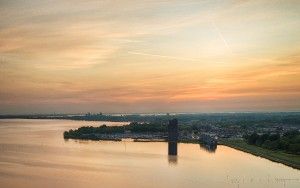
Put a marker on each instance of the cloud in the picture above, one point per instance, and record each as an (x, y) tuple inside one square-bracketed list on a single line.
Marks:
[(156, 54)]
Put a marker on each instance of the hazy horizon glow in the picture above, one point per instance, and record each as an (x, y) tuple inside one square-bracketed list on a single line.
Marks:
[(149, 56)]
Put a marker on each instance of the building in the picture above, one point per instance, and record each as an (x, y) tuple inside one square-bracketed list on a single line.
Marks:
[(172, 137)]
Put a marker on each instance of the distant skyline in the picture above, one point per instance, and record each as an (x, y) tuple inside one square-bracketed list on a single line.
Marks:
[(149, 56)]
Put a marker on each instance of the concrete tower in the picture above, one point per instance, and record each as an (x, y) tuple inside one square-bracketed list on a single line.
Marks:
[(172, 136)]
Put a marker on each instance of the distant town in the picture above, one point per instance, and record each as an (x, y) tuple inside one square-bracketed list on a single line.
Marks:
[(275, 136), (218, 125)]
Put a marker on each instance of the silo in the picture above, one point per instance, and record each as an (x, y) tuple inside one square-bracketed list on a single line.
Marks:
[(172, 136)]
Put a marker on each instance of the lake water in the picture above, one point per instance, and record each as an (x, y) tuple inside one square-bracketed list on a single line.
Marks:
[(33, 153)]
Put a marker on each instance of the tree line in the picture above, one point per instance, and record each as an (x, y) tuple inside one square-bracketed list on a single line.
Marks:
[(288, 142), (133, 127)]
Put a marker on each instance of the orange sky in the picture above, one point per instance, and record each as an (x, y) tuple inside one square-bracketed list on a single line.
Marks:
[(149, 56)]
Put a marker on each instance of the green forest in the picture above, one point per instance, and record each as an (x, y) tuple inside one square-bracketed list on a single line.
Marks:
[(288, 142)]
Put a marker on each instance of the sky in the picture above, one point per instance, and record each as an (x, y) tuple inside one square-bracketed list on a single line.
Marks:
[(147, 56)]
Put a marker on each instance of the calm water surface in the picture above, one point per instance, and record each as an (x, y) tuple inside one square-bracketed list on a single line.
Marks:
[(33, 153)]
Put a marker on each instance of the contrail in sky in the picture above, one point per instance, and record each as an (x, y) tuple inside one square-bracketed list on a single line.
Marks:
[(162, 56), (221, 35), (217, 30)]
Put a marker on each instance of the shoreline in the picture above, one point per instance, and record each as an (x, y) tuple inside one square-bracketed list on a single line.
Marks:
[(290, 160), (138, 140)]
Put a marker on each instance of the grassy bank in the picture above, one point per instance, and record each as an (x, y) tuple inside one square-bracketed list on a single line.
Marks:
[(276, 156)]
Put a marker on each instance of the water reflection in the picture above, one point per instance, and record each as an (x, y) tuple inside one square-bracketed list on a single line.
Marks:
[(33, 154), (210, 148), (172, 160)]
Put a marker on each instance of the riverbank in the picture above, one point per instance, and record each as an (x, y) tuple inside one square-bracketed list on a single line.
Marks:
[(276, 156)]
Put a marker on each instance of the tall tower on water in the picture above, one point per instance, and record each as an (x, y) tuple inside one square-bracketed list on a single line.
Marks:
[(172, 137)]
